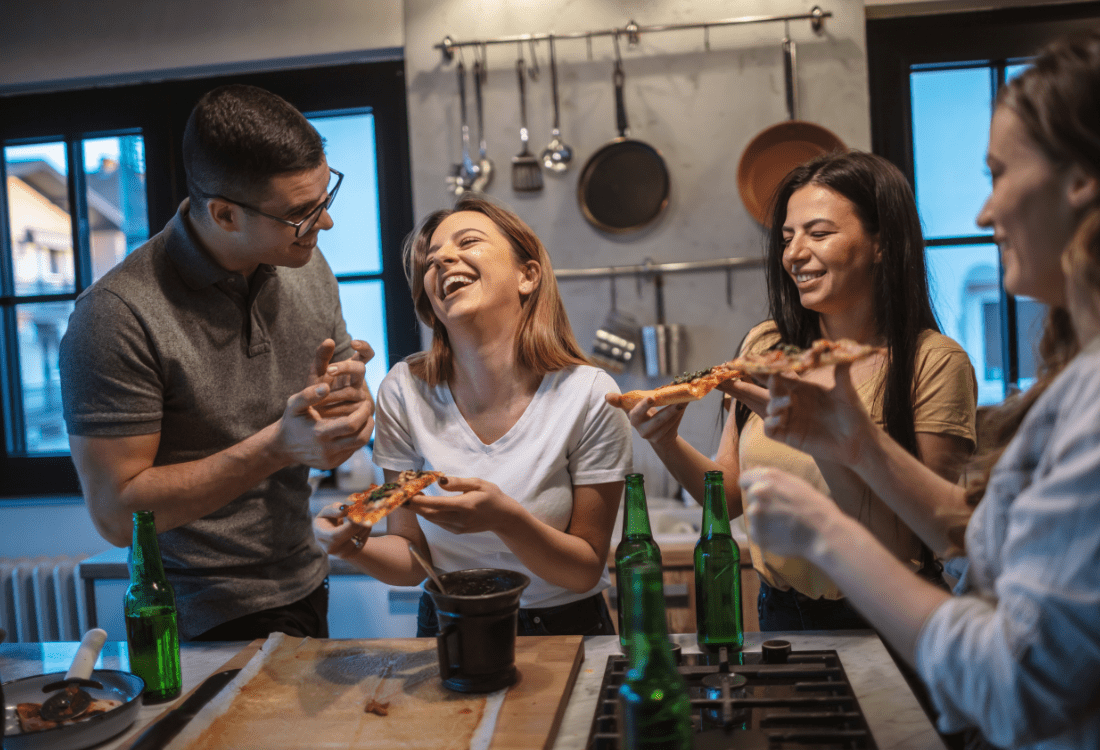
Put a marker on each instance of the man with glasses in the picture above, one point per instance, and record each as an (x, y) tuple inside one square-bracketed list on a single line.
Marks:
[(205, 374)]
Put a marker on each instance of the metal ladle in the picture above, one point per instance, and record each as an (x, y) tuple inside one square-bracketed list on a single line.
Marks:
[(557, 155), (427, 568)]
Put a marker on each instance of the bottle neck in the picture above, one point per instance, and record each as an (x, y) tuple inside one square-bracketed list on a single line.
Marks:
[(145, 562), (635, 514), (716, 519)]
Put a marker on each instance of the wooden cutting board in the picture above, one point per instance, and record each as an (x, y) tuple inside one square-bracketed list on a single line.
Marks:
[(533, 708)]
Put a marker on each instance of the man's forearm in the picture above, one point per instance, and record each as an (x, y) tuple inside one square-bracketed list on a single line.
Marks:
[(178, 493)]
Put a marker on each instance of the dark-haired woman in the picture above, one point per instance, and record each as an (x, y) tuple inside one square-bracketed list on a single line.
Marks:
[(1016, 653), (507, 407), (845, 260)]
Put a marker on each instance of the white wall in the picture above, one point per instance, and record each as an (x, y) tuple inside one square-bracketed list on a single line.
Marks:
[(59, 43), (698, 108)]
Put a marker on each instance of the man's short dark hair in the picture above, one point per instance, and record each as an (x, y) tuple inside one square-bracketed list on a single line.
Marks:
[(238, 137)]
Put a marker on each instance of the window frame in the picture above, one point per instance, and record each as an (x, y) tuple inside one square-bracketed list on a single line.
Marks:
[(160, 110), (994, 37)]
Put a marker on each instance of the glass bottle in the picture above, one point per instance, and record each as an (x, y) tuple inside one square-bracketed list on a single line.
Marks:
[(152, 633), (718, 617), (637, 546), (654, 708)]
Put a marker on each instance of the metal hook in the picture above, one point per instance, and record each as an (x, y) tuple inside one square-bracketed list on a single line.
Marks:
[(614, 296), (729, 287), (706, 38), (632, 31), (618, 55), (588, 43), (817, 23), (448, 48), (484, 60), (533, 70)]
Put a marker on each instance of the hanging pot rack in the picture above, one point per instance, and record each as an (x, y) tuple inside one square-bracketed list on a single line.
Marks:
[(650, 270), (633, 31)]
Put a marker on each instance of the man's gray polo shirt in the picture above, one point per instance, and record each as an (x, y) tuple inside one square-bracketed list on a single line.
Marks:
[(170, 342)]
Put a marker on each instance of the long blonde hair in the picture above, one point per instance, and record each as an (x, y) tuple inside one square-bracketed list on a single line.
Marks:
[(544, 341)]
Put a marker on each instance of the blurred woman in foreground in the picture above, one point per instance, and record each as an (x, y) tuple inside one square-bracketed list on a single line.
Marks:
[(1017, 652)]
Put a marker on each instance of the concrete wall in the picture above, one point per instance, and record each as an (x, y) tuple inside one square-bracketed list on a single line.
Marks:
[(54, 44), (698, 108)]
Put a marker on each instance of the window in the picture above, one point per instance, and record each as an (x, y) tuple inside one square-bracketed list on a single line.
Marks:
[(89, 175), (933, 83)]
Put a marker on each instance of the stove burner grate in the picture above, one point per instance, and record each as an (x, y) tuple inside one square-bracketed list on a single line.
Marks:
[(804, 703)]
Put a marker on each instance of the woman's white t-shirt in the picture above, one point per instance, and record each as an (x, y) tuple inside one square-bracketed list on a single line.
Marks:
[(567, 436)]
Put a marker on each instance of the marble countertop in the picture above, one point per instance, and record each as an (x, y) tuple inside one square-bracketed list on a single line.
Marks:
[(896, 720)]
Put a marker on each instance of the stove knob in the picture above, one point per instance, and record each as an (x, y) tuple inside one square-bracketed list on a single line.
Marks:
[(775, 652)]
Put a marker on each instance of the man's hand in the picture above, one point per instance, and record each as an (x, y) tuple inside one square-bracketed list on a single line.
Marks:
[(306, 436), (346, 379)]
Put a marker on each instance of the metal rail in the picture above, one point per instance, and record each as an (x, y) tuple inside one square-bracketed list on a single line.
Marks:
[(632, 31), (649, 268)]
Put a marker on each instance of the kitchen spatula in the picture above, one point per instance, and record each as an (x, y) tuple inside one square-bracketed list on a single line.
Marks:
[(526, 172)]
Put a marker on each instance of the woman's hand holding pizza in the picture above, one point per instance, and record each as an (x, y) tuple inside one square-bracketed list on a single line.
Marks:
[(748, 393), (828, 421), (337, 535), (658, 425), (481, 506)]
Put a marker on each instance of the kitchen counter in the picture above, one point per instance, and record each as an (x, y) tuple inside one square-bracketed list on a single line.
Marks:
[(893, 714)]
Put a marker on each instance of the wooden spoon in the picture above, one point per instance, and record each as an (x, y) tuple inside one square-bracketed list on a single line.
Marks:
[(427, 568)]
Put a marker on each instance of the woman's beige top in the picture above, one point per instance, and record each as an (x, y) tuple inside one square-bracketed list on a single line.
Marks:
[(944, 403)]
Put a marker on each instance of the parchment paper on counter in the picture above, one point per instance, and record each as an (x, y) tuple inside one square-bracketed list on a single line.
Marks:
[(307, 693)]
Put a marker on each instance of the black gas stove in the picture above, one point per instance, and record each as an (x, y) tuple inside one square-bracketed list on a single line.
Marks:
[(773, 699)]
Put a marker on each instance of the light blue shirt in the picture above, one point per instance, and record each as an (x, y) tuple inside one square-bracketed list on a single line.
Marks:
[(1018, 653)]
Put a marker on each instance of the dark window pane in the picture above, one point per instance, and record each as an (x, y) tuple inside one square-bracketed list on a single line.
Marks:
[(965, 282), (951, 112), (38, 214), (118, 219), (40, 328), (353, 245), (364, 307)]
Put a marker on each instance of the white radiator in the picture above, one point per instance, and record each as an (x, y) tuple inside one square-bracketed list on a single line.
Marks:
[(42, 599)]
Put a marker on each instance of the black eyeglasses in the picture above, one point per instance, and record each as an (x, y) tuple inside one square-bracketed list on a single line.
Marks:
[(300, 227)]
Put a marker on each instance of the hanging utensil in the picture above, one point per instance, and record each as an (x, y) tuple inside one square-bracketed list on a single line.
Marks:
[(624, 186), (466, 171), (526, 174), (484, 165), (663, 344), (616, 340), (71, 701), (779, 148), (557, 155)]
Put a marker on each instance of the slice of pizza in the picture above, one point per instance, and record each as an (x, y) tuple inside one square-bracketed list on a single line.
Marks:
[(376, 502), (788, 358), (690, 386)]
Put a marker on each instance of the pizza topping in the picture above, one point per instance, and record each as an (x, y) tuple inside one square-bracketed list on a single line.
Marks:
[(688, 377), (383, 491)]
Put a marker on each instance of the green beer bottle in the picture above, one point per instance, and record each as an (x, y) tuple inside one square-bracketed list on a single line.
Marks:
[(150, 606), (717, 574), (636, 547), (654, 708)]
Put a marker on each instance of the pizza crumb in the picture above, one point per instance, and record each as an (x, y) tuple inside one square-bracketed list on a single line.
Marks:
[(374, 707), (466, 711)]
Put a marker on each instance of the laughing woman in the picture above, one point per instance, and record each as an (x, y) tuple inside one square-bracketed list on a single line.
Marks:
[(507, 407), (845, 259), (1016, 653)]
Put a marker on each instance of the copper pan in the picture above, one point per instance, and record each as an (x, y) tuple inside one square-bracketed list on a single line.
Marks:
[(779, 148)]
